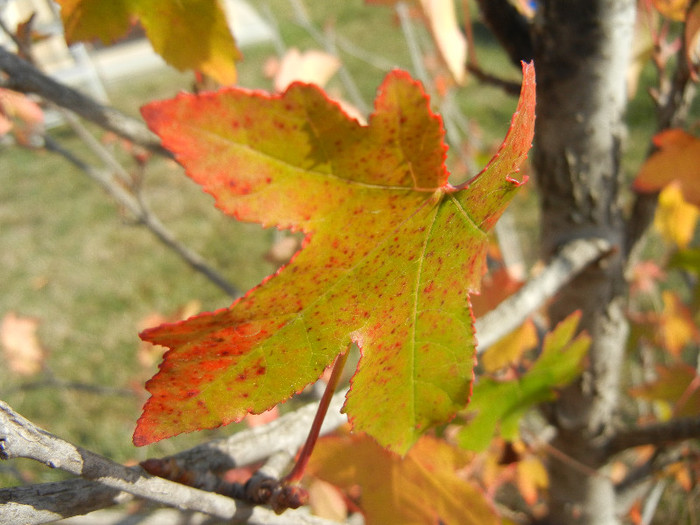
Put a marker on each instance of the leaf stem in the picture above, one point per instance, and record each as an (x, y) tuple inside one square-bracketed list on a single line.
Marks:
[(300, 466)]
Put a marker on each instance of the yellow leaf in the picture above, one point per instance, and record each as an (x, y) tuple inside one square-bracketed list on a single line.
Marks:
[(202, 42), (677, 326), (675, 218), (673, 9), (531, 476), (421, 488), (510, 348)]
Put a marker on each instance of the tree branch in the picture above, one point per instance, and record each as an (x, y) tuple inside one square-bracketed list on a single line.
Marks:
[(572, 258), (677, 429), (25, 78), (41, 503), (509, 27), (672, 111), (143, 215)]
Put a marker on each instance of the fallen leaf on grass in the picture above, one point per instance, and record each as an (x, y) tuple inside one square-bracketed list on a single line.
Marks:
[(22, 351)]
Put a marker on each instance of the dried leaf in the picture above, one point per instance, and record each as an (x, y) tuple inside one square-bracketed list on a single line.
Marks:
[(312, 67), (22, 351), (424, 486), (449, 38)]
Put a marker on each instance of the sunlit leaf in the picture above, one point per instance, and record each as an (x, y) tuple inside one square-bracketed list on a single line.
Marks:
[(499, 405), (392, 251), (675, 219), (677, 159), (202, 42)]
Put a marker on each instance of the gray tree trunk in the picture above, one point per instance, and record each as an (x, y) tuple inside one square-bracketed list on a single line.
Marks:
[(582, 49)]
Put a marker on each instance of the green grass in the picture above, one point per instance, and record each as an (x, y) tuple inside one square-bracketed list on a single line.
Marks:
[(76, 261)]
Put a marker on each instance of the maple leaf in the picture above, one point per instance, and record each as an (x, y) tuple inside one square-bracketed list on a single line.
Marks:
[(424, 488), (391, 252), (676, 385), (675, 219), (677, 159), (208, 43), (501, 404)]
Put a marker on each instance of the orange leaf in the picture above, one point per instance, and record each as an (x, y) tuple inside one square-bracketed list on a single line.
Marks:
[(23, 116), (532, 476), (495, 287), (673, 9), (678, 159), (692, 40), (677, 325), (424, 487), (22, 351)]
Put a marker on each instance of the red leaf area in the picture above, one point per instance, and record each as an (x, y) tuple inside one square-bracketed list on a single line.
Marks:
[(391, 252)]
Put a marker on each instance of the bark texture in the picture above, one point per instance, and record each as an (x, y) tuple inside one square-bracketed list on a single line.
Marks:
[(582, 50)]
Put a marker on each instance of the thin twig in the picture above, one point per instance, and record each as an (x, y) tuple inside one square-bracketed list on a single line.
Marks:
[(509, 87), (25, 78), (511, 313), (300, 467), (412, 43), (144, 216), (672, 111), (353, 91)]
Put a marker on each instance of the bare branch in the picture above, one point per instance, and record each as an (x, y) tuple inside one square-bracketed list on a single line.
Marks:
[(35, 504), (286, 433), (509, 27), (672, 111), (511, 313), (47, 502), (677, 429), (509, 87), (24, 77)]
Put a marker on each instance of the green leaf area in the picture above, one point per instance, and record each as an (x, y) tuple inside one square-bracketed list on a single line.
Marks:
[(391, 252), (499, 405), (202, 42)]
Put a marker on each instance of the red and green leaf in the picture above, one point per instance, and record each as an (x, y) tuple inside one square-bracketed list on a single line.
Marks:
[(391, 252), (424, 488), (203, 42)]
